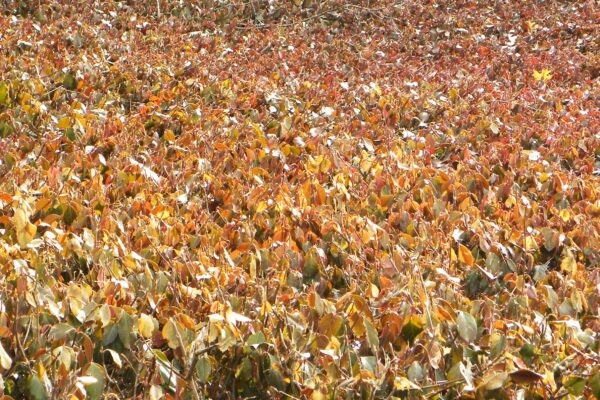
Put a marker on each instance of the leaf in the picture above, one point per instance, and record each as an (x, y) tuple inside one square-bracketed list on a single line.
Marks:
[(3, 94), (494, 128), (256, 339), (70, 134), (69, 215), (64, 123), (60, 331), (69, 82), (575, 385), (330, 324), (234, 317), (5, 360), (372, 336), (169, 332), (494, 380), (369, 363), (525, 376), (594, 383), (5, 129), (412, 327), (466, 370), (550, 238), (36, 389), (543, 75), (467, 326), (147, 172), (568, 264), (527, 350), (95, 390), (87, 380), (497, 344), (465, 256), (156, 392), (125, 330), (146, 325), (104, 315), (116, 358), (25, 230), (403, 384)]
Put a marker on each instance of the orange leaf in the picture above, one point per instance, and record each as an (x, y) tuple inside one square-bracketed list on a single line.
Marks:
[(465, 256)]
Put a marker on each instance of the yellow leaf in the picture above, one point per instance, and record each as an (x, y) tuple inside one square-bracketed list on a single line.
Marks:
[(146, 325), (80, 121), (494, 380), (465, 256), (530, 243), (317, 395), (373, 291), (543, 75), (169, 135), (568, 263), (403, 383), (262, 206), (565, 215), (20, 219), (64, 123), (163, 214), (25, 230), (170, 332)]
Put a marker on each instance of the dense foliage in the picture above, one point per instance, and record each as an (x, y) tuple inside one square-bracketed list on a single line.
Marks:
[(300, 199)]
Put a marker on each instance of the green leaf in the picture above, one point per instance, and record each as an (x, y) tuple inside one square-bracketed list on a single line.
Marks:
[(256, 339), (60, 331), (70, 134), (416, 372), (110, 334), (594, 383), (36, 388), (467, 326), (69, 82), (5, 129), (244, 370), (125, 329), (274, 378), (575, 385), (95, 390), (369, 363), (372, 336), (203, 369), (527, 350)]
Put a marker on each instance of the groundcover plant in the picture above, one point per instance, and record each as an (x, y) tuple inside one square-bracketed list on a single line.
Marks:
[(296, 199)]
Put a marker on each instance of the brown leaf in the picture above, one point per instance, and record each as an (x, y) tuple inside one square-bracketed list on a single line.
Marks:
[(524, 376)]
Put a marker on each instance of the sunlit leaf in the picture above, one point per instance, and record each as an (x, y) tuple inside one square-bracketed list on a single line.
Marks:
[(467, 326)]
